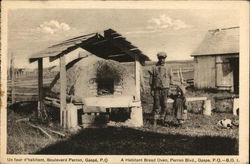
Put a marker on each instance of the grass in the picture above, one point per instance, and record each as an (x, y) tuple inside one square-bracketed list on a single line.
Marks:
[(198, 125), (128, 141), (199, 136), (22, 138)]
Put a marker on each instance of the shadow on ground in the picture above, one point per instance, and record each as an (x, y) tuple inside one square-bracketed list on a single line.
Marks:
[(127, 141)]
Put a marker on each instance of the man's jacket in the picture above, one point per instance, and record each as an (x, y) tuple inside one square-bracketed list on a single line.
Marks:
[(161, 77)]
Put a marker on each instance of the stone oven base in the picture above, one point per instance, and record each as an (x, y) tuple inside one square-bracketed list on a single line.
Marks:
[(90, 120), (94, 119), (107, 105)]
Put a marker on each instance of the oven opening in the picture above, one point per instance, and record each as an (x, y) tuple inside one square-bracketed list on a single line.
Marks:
[(105, 86)]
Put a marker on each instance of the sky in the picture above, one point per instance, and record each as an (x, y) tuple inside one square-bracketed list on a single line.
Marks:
[(175, 31)]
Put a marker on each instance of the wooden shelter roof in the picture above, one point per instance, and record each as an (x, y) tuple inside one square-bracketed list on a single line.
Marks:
[(219, 42), (110, 45)]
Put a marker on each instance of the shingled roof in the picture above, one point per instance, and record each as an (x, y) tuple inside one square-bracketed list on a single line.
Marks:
[(110, 45), (218, 42)]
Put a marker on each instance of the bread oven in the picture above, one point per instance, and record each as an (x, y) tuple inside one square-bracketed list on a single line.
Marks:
[(99, 81)]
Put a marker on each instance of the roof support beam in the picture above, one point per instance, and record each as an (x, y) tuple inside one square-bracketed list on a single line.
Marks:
[(123, 49), (99, 42), (116, 55)]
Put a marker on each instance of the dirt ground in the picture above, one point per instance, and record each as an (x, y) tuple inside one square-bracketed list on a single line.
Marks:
[(198, 136)]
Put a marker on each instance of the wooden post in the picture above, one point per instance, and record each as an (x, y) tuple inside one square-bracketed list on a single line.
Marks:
[(207, 109), (63, 83), (12, 74), (235, 106), (181, 76), (137, 80), (40, 88), (137, 113)]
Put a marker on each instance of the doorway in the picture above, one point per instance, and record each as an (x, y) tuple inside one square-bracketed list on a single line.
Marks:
[(235, 68)]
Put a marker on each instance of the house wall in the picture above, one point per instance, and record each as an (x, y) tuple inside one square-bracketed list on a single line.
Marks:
[(214, 72), (204, 72)]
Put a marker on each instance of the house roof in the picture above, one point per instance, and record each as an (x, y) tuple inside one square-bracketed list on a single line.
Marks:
[(110, 45), (219, 42)]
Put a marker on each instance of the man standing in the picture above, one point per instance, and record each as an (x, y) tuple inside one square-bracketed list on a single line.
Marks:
[(160, 80)]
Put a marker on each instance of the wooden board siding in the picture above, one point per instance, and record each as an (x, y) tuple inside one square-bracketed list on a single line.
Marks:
[(204, 76), (224, 73)]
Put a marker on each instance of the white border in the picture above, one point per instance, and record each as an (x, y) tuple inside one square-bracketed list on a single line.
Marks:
[(242, 6)]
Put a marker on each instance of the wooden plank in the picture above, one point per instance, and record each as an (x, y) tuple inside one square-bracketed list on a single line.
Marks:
[(116, 55), (205, 74), (109, 101), (133, 49), (40, 87), (99, 42), (26, 98), (119, 37), (25, 94), (137, 79), (63, 85), (190, 99)]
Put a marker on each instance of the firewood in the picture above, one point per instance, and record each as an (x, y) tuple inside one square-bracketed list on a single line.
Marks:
[(41, 129), (56, 132), (22, 119)]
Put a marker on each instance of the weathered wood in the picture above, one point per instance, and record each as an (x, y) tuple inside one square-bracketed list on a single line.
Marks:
[(207, 106), (189, 99), (205, 73), (224, 73), (24, 94), (236, 106), (22, 119), (99, 42), (119, 37), (136, 117), (137, 79), (117, 55), (181, 76), (196, 99), (41, 129), (52, 103), (63, 85), (51, 98), (133, 49), (109, 101), (56, 132), (94, 109), (40, 88)]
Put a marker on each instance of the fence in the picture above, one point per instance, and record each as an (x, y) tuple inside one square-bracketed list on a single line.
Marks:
[(24, 85)]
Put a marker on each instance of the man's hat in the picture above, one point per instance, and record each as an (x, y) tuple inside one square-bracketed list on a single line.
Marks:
[(161, 54)]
